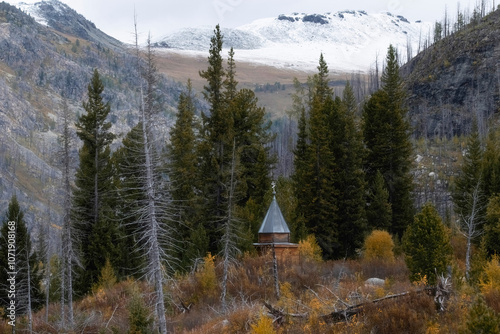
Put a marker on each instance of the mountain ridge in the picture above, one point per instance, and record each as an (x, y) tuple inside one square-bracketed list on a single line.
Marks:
[(456, 80), (350, 40)]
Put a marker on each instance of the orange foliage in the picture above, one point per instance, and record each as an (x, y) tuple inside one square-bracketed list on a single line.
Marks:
[(379, 245)]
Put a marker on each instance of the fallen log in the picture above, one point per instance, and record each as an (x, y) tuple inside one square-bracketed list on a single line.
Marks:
[(344, 314)]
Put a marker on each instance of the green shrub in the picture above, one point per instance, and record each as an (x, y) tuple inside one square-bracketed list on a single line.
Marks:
[(427, 247), (482, 319)]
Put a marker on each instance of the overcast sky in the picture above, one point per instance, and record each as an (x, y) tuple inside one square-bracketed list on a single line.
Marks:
[(160, 17)]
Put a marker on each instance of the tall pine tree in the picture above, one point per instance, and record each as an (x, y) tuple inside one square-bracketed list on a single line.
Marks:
[(468, 195), (329, 178), (321, 210), (348, 149), (96, 232), (128, 161), (183, 164), (216, 143), (386, 133), (235, 118)]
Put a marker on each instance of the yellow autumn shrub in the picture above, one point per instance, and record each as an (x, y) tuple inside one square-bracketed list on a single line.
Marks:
[(491, 278), (206, 276), (264, 325), (309, 249), (379, 245)]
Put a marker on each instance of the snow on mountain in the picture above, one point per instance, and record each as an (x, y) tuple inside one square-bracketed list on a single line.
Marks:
[(34, 9), (61, 17), (349, 40)]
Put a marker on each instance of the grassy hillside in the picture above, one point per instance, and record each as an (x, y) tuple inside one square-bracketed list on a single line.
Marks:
[(181, 67)]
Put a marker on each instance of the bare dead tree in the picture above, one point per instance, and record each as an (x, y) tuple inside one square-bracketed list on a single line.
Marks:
[(154, 232), (469, 224), (275, 272), (68, 257)]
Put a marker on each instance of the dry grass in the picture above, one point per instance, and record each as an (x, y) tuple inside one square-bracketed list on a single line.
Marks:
[(183, 67), (307, 287)]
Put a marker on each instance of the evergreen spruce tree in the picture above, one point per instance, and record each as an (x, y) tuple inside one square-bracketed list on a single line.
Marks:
[(183, 166), (127, 161), (379, 212), (299, 181), (348, 150), (234, 118), (230, 84), (386, 134), (329, 178), (254, 159), (315, 167), (216, 143), (320, 213), (468, 195), (92, 197), (470, 174), (24, 257), (426, 245), (490, 178), (481, 318)]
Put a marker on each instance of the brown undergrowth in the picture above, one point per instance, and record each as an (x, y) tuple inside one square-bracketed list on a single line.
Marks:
[(309, 290)]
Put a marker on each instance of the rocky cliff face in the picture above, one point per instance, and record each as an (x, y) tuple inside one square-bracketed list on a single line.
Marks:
[(40, 67), (456, 79)]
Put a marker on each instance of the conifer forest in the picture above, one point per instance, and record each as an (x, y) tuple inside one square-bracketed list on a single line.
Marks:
[(383, 207)]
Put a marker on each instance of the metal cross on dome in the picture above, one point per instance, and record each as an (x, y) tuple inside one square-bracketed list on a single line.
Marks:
[(273, 185)]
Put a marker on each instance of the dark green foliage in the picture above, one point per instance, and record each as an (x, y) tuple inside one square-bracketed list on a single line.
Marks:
[(183, 161), (300, 163), (491, 166), (182, 149), (320, 209), (329, 178), (234, 118), (140, 319), (348, 149), (24, 256), (379, 212), (491, 236), (426, 245), (469, 182), (386, 135), (252, 138), (215, 147), (127, 162), (92, 197), (314, 165), (215, 73), (482, 319)]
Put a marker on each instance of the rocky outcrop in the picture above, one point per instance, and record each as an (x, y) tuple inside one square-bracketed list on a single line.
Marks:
[(455, 80)]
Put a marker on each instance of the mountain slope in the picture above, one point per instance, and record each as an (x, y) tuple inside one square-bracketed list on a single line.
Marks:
[(40, 68), (350, 40), (62, 18), (456, 79)]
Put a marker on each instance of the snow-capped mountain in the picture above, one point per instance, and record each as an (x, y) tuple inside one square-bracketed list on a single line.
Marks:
[(349, 40), (61, 17)]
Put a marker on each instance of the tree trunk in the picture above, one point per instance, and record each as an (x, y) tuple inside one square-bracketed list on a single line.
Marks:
[(275, 273), (153, 230), (227, 237)]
